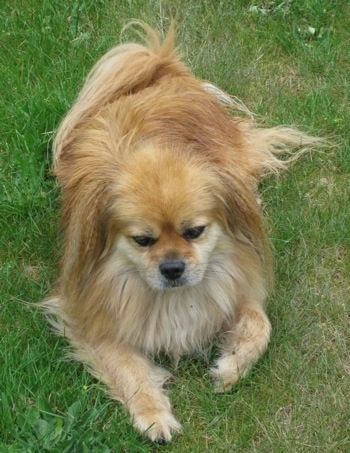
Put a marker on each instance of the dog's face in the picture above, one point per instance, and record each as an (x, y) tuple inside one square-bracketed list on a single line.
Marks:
[(166, 214), (170, 255)]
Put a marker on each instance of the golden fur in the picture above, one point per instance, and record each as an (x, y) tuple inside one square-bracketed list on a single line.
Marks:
[(149, 153)]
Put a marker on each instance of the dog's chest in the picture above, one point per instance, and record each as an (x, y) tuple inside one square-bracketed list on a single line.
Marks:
[(176, 322)]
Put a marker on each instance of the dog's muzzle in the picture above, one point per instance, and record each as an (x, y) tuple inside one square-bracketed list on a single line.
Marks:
[(172, 270)]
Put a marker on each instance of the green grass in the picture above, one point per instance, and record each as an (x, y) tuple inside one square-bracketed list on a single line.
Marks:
[(289, 62)]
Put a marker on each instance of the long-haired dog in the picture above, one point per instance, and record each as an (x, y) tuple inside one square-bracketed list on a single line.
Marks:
[(164, 244)]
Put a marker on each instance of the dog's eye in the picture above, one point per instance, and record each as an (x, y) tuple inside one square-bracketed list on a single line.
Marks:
[(193, 233), (144, 241)]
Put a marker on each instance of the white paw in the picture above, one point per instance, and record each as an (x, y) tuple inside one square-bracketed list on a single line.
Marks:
[(157, 425), (228, 370)]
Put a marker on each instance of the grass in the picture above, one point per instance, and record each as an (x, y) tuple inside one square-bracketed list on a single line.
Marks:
[(289, 62)]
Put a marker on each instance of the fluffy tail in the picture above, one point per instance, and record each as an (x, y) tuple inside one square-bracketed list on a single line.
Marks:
[(272, 143), (267, 145), (125, 69)]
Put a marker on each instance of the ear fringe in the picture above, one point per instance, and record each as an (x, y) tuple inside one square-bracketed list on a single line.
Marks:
[(242, 217)]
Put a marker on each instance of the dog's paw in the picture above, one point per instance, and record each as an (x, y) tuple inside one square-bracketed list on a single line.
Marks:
[(226, 373), (158, 425)]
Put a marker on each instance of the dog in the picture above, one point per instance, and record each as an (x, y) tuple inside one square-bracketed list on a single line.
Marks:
[(165, 249)]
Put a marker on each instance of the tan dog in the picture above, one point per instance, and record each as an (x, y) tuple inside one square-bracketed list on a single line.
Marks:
[(164, 246)]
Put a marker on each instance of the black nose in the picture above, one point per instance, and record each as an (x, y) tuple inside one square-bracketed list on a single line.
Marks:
[(172, 269)]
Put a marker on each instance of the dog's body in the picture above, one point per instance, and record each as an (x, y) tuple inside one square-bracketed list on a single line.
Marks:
[(164, 245)]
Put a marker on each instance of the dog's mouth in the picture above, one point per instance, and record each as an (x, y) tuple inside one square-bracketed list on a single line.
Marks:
[(162, 284), (178, 283)]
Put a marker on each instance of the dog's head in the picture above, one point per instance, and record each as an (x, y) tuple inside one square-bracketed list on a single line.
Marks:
[(173, 212), (166, 214), (165, 211)]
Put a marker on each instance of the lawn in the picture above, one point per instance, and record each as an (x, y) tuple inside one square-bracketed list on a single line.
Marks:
[(289, 62)]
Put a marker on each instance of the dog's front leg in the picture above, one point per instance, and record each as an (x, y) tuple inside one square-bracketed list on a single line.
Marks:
[(245, 340), (136, 382)]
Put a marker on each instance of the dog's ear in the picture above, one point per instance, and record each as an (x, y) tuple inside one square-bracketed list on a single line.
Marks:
[(84, 220), (240, 214), (86, 202)]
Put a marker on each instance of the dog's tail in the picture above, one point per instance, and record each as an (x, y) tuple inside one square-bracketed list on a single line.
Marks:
[(269, 149), (276, 148), (125, 69)]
